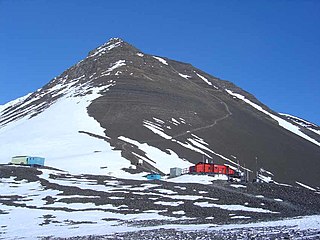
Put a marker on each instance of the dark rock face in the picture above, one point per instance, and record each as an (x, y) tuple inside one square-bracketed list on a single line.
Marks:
[(144, 87)]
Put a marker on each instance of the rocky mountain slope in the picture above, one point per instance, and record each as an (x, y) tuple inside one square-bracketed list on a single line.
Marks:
[(122, 112)]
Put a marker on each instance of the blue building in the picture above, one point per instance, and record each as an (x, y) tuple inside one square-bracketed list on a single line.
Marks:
[(36, 161), (154, 176)]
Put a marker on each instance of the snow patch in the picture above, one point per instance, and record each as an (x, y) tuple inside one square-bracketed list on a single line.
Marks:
[(156, 129), (161, 60), (265, 171), (158, 120), (240, 217), (308, 125), (174, 204), (306, 186), (266, 179), (199, 145), (204, 79), (115, 65), (184, 76), (175, 122), (179, 212), (160, 159), (191, 147), (166, 191), (201, 179), (233, 207), (237, 186), (298, 120), (259, 196)]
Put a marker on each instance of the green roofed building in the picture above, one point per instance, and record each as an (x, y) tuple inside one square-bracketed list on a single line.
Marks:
[(19, 160)]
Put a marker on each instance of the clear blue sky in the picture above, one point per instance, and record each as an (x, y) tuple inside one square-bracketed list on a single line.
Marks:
[(270, 48)]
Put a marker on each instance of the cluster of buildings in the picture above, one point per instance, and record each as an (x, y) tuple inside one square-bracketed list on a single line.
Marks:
[(201, 168)]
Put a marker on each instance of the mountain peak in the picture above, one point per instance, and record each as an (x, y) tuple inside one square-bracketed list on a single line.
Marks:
[(106, 47), (111, 45), (115, 40)]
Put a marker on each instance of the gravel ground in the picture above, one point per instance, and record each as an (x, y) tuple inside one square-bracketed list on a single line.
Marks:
[(246, 233)]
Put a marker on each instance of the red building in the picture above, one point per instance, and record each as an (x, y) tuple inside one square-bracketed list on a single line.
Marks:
[(211, 168)]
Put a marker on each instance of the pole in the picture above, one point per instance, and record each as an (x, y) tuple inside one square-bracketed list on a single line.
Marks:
[(257, 173)]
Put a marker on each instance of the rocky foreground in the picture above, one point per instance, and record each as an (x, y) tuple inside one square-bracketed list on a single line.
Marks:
[(247, 233), (59, 205)]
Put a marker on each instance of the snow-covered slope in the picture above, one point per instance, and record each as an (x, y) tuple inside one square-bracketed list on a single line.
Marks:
[(56, 134), (14, 102)]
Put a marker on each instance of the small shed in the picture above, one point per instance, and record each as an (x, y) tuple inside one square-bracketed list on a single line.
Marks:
[(22, 160), (27, 160), (154, 176), (175, 172)]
